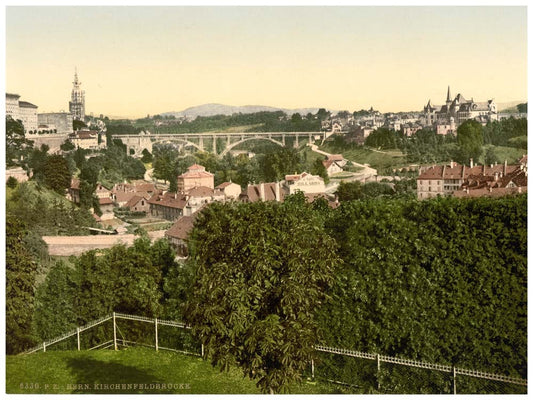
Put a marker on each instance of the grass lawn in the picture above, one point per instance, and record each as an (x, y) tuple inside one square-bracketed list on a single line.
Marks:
[(511, 154), (381, 160), (124, 371)]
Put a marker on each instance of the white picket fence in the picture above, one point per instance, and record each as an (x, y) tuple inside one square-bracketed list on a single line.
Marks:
[(116, 342)]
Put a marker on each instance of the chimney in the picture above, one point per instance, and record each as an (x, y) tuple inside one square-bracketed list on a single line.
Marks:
[(451, 164), (276, 188), (471, 163), (505, 168), (262, 191)]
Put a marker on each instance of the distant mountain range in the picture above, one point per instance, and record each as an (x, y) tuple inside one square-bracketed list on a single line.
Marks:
[(509, 105), (207, 110)]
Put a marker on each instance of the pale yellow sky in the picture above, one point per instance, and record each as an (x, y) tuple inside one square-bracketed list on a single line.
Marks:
[(134, 61)]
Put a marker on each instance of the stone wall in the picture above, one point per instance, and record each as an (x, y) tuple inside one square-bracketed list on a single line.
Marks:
[(76, 245)]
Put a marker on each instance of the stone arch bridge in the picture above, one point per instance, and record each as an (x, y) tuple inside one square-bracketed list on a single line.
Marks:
[(146, 140)]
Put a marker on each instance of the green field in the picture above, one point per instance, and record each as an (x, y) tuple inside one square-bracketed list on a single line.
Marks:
[(511, 154), (380, 160), (124, 371)]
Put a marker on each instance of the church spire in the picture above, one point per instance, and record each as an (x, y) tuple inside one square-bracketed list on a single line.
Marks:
[(448, 98), (76, 82)]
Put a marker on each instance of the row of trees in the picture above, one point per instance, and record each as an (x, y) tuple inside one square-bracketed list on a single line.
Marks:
[(444, 280), (263, 121)]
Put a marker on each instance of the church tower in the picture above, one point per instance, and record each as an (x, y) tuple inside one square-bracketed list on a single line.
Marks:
[(77, 99)]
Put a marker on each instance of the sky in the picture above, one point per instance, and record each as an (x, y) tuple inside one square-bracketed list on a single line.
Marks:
[(133, 60)]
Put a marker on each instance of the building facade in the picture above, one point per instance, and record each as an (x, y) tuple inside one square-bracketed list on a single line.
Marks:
[(457, 110), (60, 122), (23, 111), (445, 180), (195, 176), (303, 182)]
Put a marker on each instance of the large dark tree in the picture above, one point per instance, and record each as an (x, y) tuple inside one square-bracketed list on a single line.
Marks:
[(57, 175), (277, 164), (256, 290), (17, 146), (470, 141), (21, 271), (55, 308)]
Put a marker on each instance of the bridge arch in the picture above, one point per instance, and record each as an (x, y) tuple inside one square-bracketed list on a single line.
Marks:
[(187, 142), (232, 145)]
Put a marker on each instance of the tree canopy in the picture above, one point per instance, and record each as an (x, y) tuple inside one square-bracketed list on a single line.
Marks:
[(17, 146), (255, 291), (21, 272), (470, 140)]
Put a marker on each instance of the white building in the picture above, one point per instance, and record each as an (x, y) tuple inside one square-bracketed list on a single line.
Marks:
[(303, 182), (61, 122), (23, 111)]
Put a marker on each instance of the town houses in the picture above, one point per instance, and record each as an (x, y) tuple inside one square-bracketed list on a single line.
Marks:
[(473, 181)]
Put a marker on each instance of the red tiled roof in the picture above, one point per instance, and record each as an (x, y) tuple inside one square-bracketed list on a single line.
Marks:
[(295, 177), (253, 192), (134, 200), (335, 157), (462, 171), (169, 199), (223, 185), (104, 201), (196, 174), (182, 227), (86, 134), (124, 197), (200, 191)]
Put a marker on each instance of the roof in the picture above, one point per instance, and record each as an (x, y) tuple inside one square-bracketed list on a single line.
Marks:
[(182, 227), (104, 201), (86, 134), (224, 185), (457, 171), (196, 171), (169, 199), (335, 157), (25, 104), (134, 200), (74, 183), (200, 191), (253, 192), (295, 177), (124, 197)]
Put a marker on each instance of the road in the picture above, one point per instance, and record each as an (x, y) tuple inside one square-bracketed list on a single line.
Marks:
[(366, 172)]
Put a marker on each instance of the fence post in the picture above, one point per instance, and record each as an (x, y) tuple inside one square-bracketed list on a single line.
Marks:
[(156, 341), (454, 379), (44, 347), (312, 368), (114, 331), (377, 375), (78, 335), (202, 349)]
